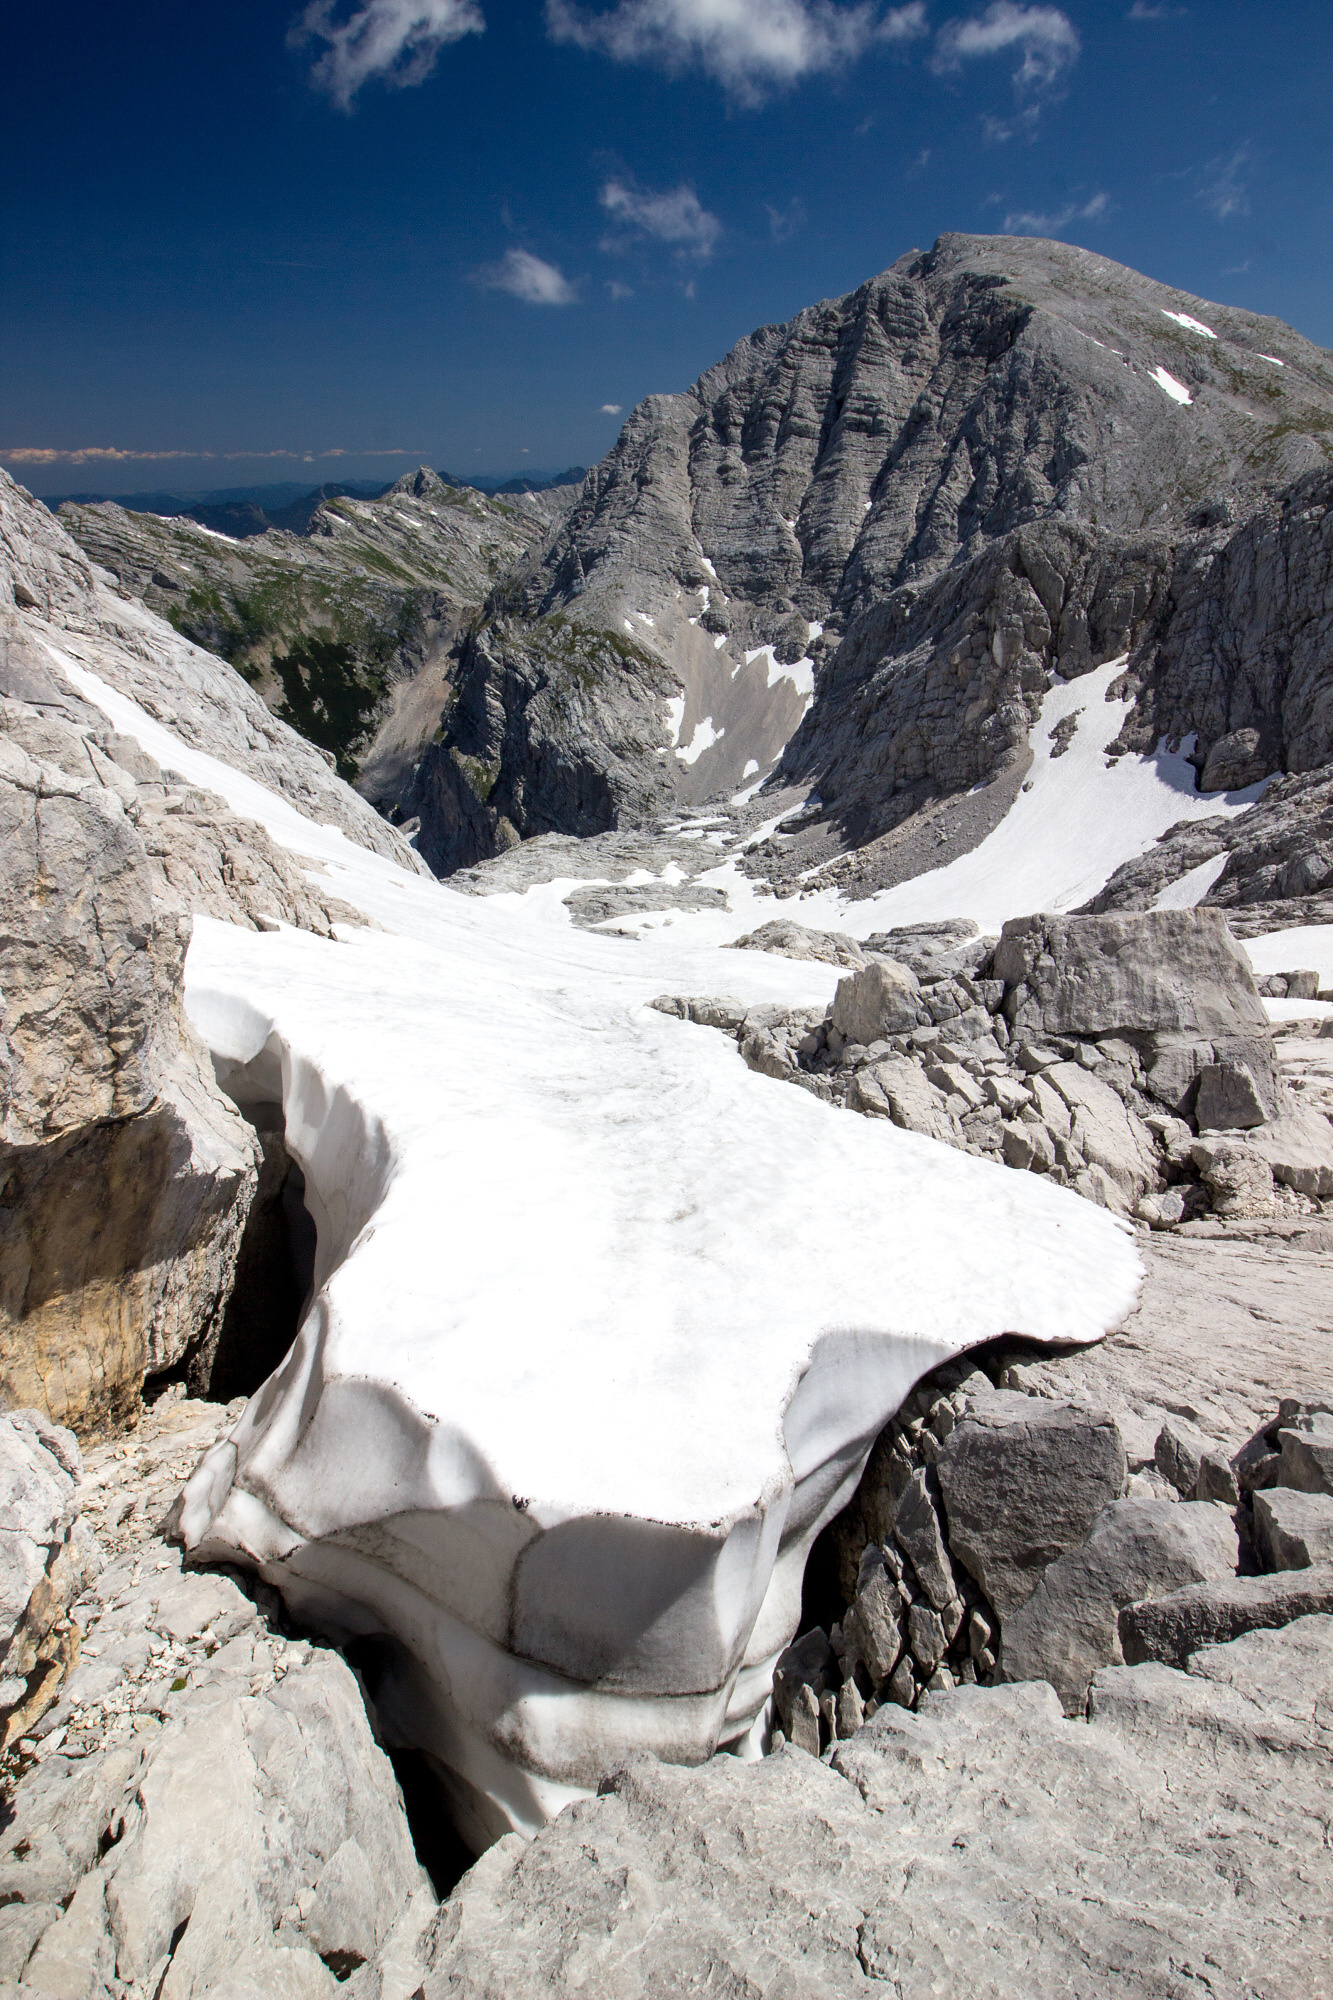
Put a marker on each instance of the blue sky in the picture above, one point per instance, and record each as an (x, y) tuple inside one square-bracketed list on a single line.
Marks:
[(268, 240)]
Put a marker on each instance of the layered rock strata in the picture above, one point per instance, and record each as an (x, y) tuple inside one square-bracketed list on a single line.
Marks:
[(912, 506)]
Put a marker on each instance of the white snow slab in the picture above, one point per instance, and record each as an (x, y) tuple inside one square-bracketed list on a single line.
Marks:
[(1191, 324), (1304, 948), (1175, 390), (604, 1322)]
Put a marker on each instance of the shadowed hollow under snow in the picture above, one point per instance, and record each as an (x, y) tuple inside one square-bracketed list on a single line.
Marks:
[(604, 1322)]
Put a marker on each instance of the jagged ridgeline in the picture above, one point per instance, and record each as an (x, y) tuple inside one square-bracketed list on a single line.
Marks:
[(344, 618), (859, 548)]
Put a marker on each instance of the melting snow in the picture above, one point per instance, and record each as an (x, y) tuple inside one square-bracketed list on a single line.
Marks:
[(1273, 358), (704, 737), (1191, 887), (1194, 325), (1175, 390), (675, 716), (801, 673)]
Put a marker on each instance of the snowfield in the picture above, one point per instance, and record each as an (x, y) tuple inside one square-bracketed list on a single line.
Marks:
[(605, 1323)]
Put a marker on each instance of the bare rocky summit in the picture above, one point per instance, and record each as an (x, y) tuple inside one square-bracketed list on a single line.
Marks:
[(996, 462)]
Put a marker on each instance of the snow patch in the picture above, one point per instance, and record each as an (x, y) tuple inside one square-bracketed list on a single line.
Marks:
[(704, 737), (801, 673), (675, 716), (1175, 390), (1191, 887), (1193, 325), (1067, 832), (1273, 358)]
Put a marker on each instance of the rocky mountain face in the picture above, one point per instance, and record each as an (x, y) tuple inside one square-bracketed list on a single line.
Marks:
[(892, 522), (343, 624)]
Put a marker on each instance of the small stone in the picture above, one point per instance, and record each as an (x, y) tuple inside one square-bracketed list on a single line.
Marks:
[(805, 1721), (925, 1637), (850, 1710), (901, 1688)]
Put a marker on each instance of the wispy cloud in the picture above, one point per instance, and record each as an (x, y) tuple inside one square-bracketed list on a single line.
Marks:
[(751, 47), (784, 222), (396, 41), (677, 217), (1221, 183), (91, 454), (609, 410), (1144, 10), (616, 290), (528, 278), (1024, 224), (1045, 38)]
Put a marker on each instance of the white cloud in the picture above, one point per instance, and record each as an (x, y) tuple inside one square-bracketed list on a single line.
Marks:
[(784, 222), (676, 217), (618, 291), (1142, 10), (395, 40), (1221, 184), (528, 278), (1051, 225), (749, 46), (609, 410), (1046, 38)]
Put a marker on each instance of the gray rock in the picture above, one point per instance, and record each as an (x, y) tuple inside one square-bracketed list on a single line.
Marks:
[(1293, 1529), (1170, 1628), (985, 1844), (106, 1085), (1174, 971), (1237, 1177), (791, 940), (919, 1534), (898, 1089), (873, 1624), (1137, 1548), (880, 1000), (1228, 1099), (47, 1558), (1023, 1481), (1307, 1454)]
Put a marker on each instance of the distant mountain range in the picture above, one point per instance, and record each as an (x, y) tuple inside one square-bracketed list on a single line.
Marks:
[(241, 511)]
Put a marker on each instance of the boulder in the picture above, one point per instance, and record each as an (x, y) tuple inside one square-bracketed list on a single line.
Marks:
[(1238, 1178), (791, 940), (1106, 1131), (918, 1533), (1293, 1529), (1023, 1480), (1174, 971), (1137, 1548), (1170, 1628), (899, 1090), (1307, 1453), (881, 1000), (1228, 1099)]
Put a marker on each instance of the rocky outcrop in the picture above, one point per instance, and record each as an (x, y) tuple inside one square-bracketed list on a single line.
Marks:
[(205, 1809), (127, 1173), (47, 1558), (57, 611), (1127, 1056), (347, 626), (994, 462), (985, 1844)]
